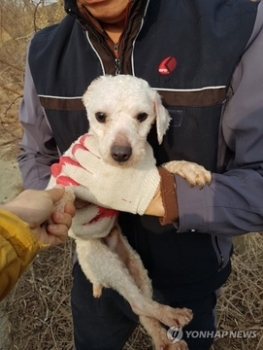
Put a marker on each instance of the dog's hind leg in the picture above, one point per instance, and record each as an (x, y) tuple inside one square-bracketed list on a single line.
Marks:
[(153, 327), (97, 290), (139, 277), (159, 335), (98, 261)]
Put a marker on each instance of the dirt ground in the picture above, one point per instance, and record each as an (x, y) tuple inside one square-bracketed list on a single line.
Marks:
[(10, 177)]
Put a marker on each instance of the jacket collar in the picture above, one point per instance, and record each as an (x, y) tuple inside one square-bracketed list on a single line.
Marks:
[(71, 7), (89, 22)]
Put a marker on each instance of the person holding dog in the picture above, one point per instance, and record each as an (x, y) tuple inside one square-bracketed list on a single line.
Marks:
[(205, 60), (23, 231)]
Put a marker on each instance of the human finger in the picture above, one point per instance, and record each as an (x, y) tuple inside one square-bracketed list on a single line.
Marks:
[(70, 209), (62, 219), (56, 193), (57, 234)]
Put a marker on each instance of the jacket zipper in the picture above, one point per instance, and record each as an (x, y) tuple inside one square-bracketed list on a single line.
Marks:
[(117, 45), (117, 61), (117, 66)]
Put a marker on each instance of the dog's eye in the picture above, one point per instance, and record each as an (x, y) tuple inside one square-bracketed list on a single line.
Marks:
[(101, 117), (141, 117)]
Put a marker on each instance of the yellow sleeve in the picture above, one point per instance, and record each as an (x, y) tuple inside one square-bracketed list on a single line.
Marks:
[(18, 247)]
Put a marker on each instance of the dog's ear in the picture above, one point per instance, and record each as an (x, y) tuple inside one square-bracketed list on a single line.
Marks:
[(88, 92), (162, 117)]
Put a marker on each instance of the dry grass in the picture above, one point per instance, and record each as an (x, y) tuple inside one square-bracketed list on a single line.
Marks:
[(241, 301), (39, 309), (40, 317)]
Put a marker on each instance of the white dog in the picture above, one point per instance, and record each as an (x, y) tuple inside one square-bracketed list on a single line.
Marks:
[(121, 111)]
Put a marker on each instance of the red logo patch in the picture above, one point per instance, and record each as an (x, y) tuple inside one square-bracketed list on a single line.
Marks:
[(167, 65)]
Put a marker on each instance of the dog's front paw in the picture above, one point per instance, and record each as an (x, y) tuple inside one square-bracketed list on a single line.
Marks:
[(68, 197), (194, 173)]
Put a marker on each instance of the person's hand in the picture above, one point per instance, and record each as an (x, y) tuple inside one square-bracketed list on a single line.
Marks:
[(120, 188), (37, 207)]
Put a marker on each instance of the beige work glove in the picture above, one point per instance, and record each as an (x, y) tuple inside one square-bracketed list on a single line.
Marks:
[(92, 221), (119, 188)]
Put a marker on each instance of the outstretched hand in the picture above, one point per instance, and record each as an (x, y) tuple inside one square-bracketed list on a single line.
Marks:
[(37, 209)]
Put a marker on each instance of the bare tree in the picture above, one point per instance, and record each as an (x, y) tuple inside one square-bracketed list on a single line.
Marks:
[(19, 20)]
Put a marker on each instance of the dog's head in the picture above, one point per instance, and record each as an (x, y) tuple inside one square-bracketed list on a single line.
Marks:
[(121, 110)]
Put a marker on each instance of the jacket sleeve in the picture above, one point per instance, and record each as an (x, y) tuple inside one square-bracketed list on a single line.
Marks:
[(18, 247), (38, 148), (233, 203)]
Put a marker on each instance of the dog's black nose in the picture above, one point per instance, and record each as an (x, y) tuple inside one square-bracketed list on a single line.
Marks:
[(121, 153)]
